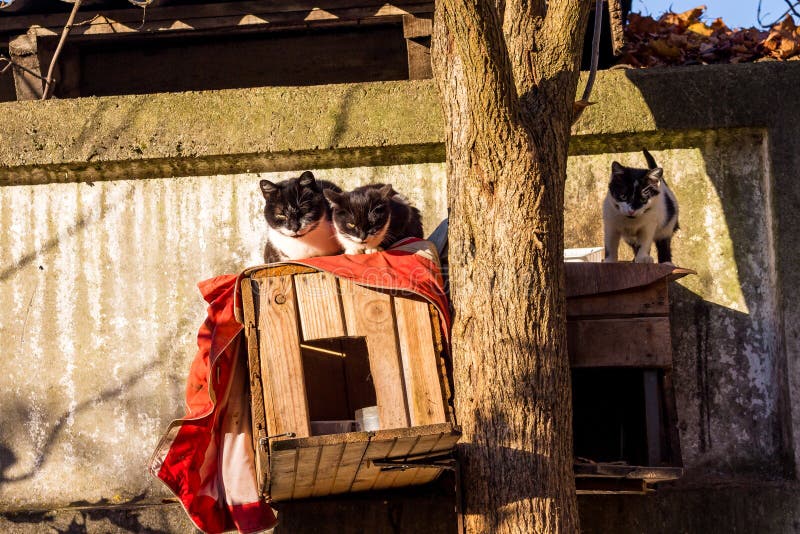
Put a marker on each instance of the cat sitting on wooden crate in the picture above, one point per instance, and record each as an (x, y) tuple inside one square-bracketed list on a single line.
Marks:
[(299, 219), (640, 209), (371, 217)]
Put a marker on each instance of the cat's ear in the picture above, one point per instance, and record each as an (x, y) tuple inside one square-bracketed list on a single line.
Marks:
[(333, 198), (267, 187), (617, 169), (655, 175), (386, 191), (307, 179)]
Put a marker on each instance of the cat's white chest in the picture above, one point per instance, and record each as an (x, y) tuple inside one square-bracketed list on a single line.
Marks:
[(321, 241)]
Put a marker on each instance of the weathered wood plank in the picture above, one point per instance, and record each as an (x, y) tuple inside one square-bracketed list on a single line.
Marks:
[(652, 416), (368, 473), (369, 313), (252, 16), (634, 342), (210, 10), (415, 26), (592, 278), (401, 447), (308, 461), (353, 437), (330, 458), (281, 360), (420, 475), (348, 466), (257, 414), (652, 299), (420, 362), (283, 470), (319, 306)]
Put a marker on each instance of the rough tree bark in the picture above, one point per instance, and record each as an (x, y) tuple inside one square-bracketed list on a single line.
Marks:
[(508, 72)]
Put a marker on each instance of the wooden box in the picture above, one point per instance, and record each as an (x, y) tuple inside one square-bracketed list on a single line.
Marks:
[(618, 337), (322, 347)]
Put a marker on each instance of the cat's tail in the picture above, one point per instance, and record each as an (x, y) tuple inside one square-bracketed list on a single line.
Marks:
[(651, 162)]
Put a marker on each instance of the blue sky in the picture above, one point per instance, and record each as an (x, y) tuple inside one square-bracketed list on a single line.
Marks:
[(735, 13)]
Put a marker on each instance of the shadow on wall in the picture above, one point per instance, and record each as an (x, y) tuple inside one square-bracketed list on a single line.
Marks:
[(725, 319), (15, 411), (747, 208), (85, 517)]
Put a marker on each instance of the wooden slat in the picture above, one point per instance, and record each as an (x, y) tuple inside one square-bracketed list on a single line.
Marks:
[(348, 466), (258, 419), (652, 416), (591, 278), (420, 475), (369, 313), (283, 470), (673, 456), (350, 437), (419, 58), (319, 306), (308, 461), (420, 369), (330, 458), (401, 448), (635, 342), (368, 473), (281, 361), (651, 299), (415, 26)]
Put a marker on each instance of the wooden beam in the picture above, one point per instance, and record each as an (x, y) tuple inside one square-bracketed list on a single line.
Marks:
[(417, 31), (219, 16), (634, 342), (24, 53)]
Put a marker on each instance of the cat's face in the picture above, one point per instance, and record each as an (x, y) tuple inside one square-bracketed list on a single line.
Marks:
[(361, 216), (634, 190), (294, 207)]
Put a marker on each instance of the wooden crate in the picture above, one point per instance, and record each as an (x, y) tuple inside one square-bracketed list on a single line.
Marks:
[(321, 347), (618, 318)]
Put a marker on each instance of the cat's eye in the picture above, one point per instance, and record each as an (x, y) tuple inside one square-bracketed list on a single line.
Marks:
[(351, 225), (280, 217)]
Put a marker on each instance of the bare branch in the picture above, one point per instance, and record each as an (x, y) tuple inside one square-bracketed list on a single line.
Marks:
[(793, 8), (11, 63), (49, 79)]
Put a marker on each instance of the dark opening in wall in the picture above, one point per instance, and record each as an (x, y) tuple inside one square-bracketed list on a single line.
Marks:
[(352, 54), (609, 415)]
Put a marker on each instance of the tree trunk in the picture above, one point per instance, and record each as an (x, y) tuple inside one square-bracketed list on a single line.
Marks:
[(508, 73)]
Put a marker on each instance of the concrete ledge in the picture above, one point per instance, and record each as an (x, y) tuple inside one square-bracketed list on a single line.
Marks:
[(87, 139)]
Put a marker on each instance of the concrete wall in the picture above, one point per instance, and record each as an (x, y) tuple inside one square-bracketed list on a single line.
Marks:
[(114, 211)]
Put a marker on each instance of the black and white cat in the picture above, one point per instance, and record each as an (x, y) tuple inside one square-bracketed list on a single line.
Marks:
[(298, 219), (640, 209), (371, 217)]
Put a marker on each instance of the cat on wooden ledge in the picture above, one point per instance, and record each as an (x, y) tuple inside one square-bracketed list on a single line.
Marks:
[(371, 217), (298, 219), (640, 209)]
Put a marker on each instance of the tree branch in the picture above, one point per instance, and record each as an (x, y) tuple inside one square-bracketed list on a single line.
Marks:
[(49, 78)]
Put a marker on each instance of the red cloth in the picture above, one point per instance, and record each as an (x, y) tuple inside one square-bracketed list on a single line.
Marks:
[(206, 458)]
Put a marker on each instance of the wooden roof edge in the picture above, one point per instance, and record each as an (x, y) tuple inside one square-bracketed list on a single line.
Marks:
[(588, 278)]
